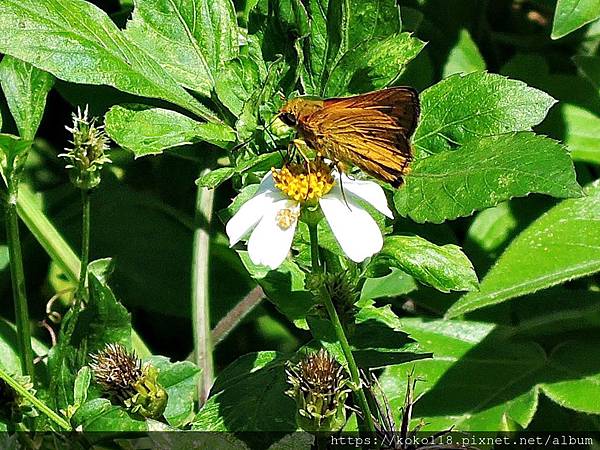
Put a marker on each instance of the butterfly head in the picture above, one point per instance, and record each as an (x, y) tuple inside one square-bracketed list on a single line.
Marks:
[(297, 109)]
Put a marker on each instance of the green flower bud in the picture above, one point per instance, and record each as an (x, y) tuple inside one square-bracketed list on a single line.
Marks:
[(86, 158), (320, 387)]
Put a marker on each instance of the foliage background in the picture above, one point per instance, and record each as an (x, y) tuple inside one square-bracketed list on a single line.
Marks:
[(520, 352)]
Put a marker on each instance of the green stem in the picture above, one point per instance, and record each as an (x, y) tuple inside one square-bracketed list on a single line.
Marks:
[(40, 406), (17, 276), (85, 241), (203, 346), (340, 333)]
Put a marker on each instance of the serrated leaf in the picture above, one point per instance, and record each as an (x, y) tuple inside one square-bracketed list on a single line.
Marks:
[(460, 109), (249, 396), (464, 56), (179, 380), (236, 82), (76, 41), (573, 14), (372, 65), (193, 39), (445, 268), (563, 244), (582, 133), (148, 131), (25, 89), (483, 173)]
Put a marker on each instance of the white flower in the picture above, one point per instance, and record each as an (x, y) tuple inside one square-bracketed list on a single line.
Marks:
[(272, 214)]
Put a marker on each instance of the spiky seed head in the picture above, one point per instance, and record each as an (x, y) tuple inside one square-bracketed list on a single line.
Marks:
[(320, 387), (121, 375), (87, 155)]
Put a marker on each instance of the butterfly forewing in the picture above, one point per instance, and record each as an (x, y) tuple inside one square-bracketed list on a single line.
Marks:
[(371, 131)]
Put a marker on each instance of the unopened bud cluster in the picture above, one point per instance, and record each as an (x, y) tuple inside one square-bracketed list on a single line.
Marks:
[(87, 155), (129, 383), (320, 387)]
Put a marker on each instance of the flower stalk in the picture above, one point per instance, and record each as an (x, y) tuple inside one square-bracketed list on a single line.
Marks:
[(339, 331), (17, 275), (85, 240)]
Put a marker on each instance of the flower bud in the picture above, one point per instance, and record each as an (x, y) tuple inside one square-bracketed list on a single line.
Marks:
[(86, 158)]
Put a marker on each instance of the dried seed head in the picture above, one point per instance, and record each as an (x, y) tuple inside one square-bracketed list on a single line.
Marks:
[(122, 376), (320, 388), (87, 156)]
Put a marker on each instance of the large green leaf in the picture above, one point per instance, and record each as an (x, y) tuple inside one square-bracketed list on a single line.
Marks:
[(25, 89), (445, 268), (179, 380), (573, 14), (99, 415), (371, 65), (249, 396), (76, 41), (9, 356), (460, 109), (488, 382), (562, 244), (193, 39), (149, 131), (483, 173)]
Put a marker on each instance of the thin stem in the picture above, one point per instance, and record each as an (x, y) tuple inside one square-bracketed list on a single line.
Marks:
[(42, 407), (85, 240), (340, 333), (237, 314), (17, 276), (203, 346)]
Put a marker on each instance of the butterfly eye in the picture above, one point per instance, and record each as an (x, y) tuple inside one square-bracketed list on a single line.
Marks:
[(288, 119)]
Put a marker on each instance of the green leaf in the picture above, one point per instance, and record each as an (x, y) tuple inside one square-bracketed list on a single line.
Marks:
[(372, 65), (9, 356), (488, 382), (193, 39), (573, 14), (237, 81), (77, 42), (392, 285), (461, 109), (582, 133), (464, 56), (445, 268), (104, 320), (99, 415), (82, 384), (13, 154), (284, 287), (25, 89), (590, 67), (561, 245), (483, 173), (215, 177), (249, 396), (148, 131), (179, 380)]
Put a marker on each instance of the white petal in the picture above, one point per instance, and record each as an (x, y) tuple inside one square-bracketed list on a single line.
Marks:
[(269, 244), (251, 211), (369, 191), (355, 230)]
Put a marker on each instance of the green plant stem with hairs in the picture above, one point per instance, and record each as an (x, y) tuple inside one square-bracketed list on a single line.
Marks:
[(85, 241), (339, 331), (37, 403), (17, 275)]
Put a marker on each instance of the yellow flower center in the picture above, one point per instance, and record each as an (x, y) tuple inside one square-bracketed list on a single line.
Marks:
[(304, 183), (286, 218)]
